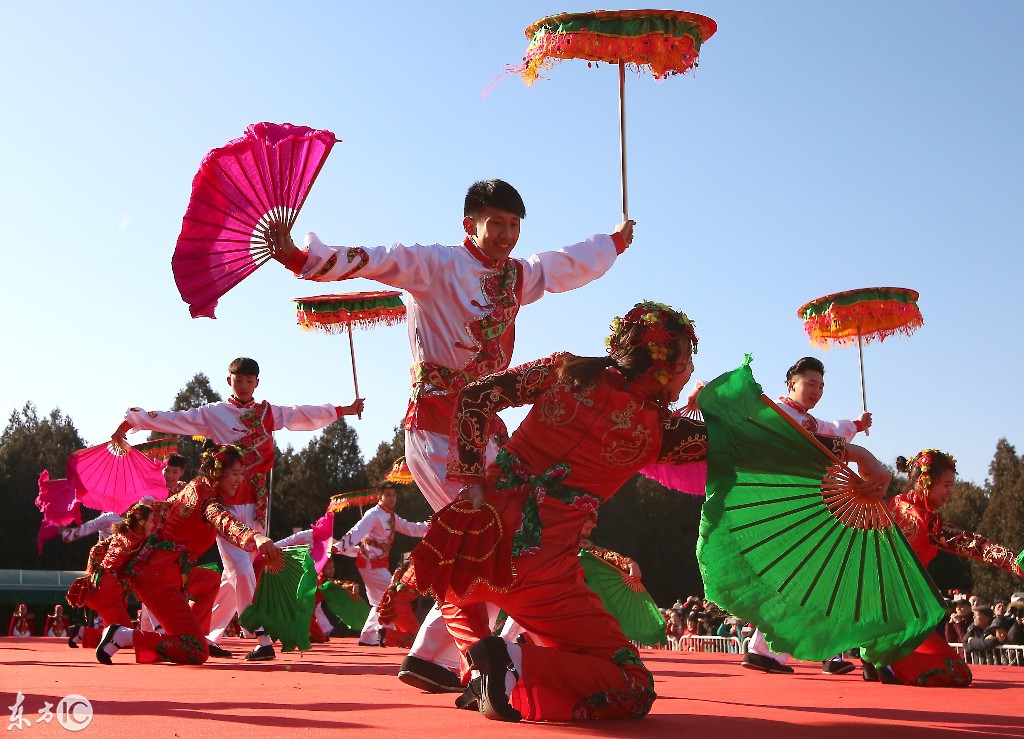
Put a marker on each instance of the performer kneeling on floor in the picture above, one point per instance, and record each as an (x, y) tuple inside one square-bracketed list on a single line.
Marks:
[(512, 538), (190, 523)]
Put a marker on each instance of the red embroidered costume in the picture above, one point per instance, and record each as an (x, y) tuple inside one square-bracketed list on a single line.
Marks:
[(572, 452), (189, 526), (934, 663)]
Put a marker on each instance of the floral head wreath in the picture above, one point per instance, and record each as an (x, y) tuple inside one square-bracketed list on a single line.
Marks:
[(654, 335), (919, 468), (218, 456)]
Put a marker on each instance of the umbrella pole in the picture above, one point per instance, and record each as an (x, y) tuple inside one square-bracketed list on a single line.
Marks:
[(352, 353), (863, 392), (622, 138)]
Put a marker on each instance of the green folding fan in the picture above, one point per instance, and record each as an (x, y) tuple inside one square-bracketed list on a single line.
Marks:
[(626, 600), (787, 543), (283, 603), (350, 610)]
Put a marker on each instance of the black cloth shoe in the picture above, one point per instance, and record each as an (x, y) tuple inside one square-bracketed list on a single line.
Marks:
[(381, 636), (837, 667), (262, 653), (220, 652), (490, 657), (470, 696), (75, 633), (886, 676), (869, 673), (428, 676), (753, 661), (108, 638)]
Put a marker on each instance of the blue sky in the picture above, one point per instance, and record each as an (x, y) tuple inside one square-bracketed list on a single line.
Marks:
[(819, 147)]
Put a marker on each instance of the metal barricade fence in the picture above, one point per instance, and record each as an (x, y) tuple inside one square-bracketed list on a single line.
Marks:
[(1008, 654), (720, 644)]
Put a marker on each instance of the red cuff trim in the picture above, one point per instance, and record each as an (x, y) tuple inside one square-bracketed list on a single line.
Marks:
[(124, 428), (296, 261), (620, 243), (858, 425), (339, 410)]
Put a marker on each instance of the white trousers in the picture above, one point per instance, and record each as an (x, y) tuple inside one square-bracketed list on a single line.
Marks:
[(238, 581), (758, 645), (376, 580), (426, 453)]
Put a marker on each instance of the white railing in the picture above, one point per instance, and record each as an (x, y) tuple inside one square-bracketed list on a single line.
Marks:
[(719, 644), (1008, 654)]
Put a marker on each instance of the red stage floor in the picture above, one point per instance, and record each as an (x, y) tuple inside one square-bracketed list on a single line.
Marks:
[(342, 686)]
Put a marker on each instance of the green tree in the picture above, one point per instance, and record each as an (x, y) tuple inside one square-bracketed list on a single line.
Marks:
[(411, 506), (28, 446), (197, 392), (304, 482), (1002, 521), (657, 527)]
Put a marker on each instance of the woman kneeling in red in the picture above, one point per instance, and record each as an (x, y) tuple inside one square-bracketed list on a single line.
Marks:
[(513, 537), (189, 525)]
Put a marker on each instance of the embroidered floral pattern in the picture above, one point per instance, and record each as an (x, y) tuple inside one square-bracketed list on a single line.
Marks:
[(184, 650), (634, 702), (486, 333), (927, 532), (479, 404), (516, 479)]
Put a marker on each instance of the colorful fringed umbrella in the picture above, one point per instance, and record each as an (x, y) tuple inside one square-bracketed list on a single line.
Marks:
[(667, 42), (400, 473), (108, 478), (335, 314), (239, 192), (787, 543), (159, 449), (353, 498), (861, 315)]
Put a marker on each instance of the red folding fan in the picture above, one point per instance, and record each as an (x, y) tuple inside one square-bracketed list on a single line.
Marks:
[(240, 190)]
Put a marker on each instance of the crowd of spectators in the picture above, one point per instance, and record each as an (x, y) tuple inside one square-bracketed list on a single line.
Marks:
[(697, 616), (980, 627)]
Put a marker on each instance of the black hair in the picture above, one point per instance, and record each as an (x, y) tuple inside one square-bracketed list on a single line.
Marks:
[(494, 194), (175, 460), (803, 365), (940, 462), (244, 366), (210, 451), (585, 370), (386, 485)]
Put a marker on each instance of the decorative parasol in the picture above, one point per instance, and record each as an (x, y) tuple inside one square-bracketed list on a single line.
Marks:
[(159, 450), (787, 543), (240, 190), (353, 498), (108, 478), (400, 473), (335, 314), (625, 599), (864, 315), (667, 42), (284, 602)]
